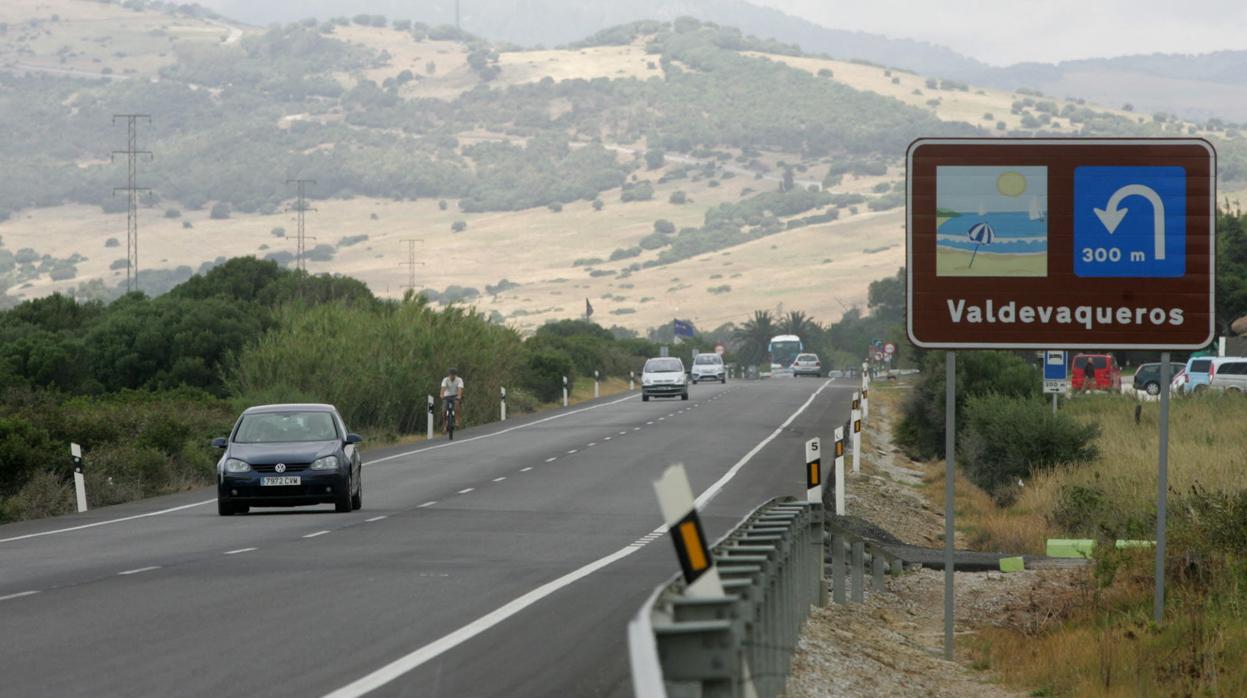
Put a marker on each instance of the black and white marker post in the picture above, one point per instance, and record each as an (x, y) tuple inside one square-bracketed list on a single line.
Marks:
[(565, 391), (675, 498), (503, 405), (813, 471), (839, 471), (857, 441), (597, 386), (429, 421), (631, 380), (80, 480)]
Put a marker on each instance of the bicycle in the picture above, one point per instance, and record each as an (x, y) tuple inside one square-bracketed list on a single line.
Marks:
[(451, 403)]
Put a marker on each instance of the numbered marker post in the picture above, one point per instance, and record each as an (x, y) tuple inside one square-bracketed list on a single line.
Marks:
[(503, 406), (565, 391), (597, 387), (80, 480), (839, 474), (429, 421), (857, 441), (813, 471), (675, 498)]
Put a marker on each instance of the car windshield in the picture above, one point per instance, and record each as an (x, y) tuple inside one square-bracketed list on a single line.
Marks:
[(663, 366), (708, 359), (285, 427)]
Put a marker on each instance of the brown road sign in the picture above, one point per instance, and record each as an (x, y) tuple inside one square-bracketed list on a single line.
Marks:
[(1076, 243)]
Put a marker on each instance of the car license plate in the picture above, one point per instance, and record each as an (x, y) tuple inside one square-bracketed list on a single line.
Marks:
[(280, 481)]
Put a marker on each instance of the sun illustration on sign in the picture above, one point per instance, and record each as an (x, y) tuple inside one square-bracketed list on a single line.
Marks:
[(1011, 184)]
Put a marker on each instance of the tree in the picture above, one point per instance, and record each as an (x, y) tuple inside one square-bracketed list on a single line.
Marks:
[(678, 197), (754, 337), (1231, 279), (788, 182), (664, 226), (798, 323), (654, 158), (597, 204), (220, 211), (886, 297), (458, 226)]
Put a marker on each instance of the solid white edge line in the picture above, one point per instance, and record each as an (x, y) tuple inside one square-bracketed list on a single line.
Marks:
[(432, 650), (240, 550), (19, 595), (496, 433), (139, 570), (109, 521), (317, 533)]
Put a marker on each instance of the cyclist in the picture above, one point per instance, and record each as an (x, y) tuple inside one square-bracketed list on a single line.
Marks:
[(452, 393)]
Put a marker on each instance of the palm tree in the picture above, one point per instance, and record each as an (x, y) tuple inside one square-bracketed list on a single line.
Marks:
[(798, 323), (754, 337)]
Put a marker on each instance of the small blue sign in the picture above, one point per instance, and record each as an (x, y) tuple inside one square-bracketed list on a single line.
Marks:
[(1054, 366), (1129, 222)]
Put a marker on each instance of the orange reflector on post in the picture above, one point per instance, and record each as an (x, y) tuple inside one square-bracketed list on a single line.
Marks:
[(857, 404), (840, 449), (813, 473), (857, 426), (690, 547)]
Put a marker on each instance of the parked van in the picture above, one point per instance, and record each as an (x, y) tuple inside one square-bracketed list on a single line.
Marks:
[(1195, 375), (1228, 374), (1095, 372)]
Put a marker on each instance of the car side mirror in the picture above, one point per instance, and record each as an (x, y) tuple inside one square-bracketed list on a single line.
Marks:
[(220, 442), (353, 438)]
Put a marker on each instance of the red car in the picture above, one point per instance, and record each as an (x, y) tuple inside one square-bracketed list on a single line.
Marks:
[(1095, 372)]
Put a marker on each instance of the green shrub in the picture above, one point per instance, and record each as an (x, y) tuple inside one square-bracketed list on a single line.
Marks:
[(920, 431), (542, 374), (1008, 438)]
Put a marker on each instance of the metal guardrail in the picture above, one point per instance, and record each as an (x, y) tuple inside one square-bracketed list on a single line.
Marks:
[(848, 554), (738, 645)]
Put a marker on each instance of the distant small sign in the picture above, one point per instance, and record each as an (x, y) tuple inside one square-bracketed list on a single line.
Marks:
[(1058, 387)]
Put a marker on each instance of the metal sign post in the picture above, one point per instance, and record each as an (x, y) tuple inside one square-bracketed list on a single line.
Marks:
[(950, 472), (1162, 488)]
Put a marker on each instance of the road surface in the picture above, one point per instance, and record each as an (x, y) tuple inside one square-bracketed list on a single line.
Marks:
[(506, 563)]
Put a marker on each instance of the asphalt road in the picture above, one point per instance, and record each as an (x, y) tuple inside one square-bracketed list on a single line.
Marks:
[(506, 563)]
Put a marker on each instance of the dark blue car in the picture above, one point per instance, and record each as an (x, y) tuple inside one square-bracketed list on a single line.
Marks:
[(289, 455)]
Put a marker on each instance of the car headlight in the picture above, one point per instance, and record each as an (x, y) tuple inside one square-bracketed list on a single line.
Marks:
[(646, 380), (326, 463), (233, 465)]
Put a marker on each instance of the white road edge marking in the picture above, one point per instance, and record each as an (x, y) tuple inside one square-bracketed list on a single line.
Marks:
[(376, 518), (240, 550), (139, 570), (19, 595), (317, 533), (109, 521), (404, 664)]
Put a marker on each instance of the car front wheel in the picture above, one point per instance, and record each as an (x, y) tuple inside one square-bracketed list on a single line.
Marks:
[(224, 508), (684, 396), (342, 504), (357, 499), (1152, 388)]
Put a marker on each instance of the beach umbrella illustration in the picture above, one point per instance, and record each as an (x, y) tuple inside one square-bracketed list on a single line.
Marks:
[(980, 234)]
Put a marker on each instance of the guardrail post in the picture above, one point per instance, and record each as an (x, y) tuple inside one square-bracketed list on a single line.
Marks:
[(837, 568), (877, 565), (859, 593)]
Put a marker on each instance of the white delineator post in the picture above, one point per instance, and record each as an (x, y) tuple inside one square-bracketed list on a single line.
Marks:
[(429, 420), (565, 391), (631, 380), (80, 480), (597, 387), (503, 406), (675, 498), (865, 397), (856, 425), (813, 471), (839, 475)]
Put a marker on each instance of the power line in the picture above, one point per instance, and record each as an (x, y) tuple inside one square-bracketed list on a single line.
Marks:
[(411, 262), (300, 256), (132, 190)]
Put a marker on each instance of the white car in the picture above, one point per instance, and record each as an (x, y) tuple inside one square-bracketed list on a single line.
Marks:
[(708, 367), (664, 376), (807, 365)]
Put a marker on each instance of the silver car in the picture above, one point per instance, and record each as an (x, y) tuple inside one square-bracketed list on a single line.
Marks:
[(1228, 374), (708, 367), (664, 376), (807, 365)]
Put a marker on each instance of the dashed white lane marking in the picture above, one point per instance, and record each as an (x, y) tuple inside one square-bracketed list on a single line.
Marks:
[(240, 550), (551, 459), (636, 428), (592, 444), (524, 470), (317, 533), (445, 643), (623, 433), (607, 439), (466, 490), (571, 451), (427, 504), (662, 419), (500, 479), (375, 518), (139, 570), (650, 422), (18, 595)]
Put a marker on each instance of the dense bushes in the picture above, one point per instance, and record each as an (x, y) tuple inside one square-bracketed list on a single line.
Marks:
[(921, 428), (543, 372), (1008, 438)]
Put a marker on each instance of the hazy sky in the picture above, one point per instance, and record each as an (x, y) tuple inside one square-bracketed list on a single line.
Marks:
[(1011, 31)]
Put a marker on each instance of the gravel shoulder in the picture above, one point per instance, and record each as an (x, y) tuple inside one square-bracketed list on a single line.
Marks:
[(892, 644)]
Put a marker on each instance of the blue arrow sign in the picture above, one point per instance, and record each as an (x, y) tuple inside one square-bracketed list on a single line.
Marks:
[(1129, 222)]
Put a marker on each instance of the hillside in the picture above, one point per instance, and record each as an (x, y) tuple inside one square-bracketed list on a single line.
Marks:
[(642, 169)]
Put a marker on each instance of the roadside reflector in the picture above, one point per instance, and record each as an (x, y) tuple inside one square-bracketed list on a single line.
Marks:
[(813, 473), (857, 426), (839, 448), (690, 547)]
